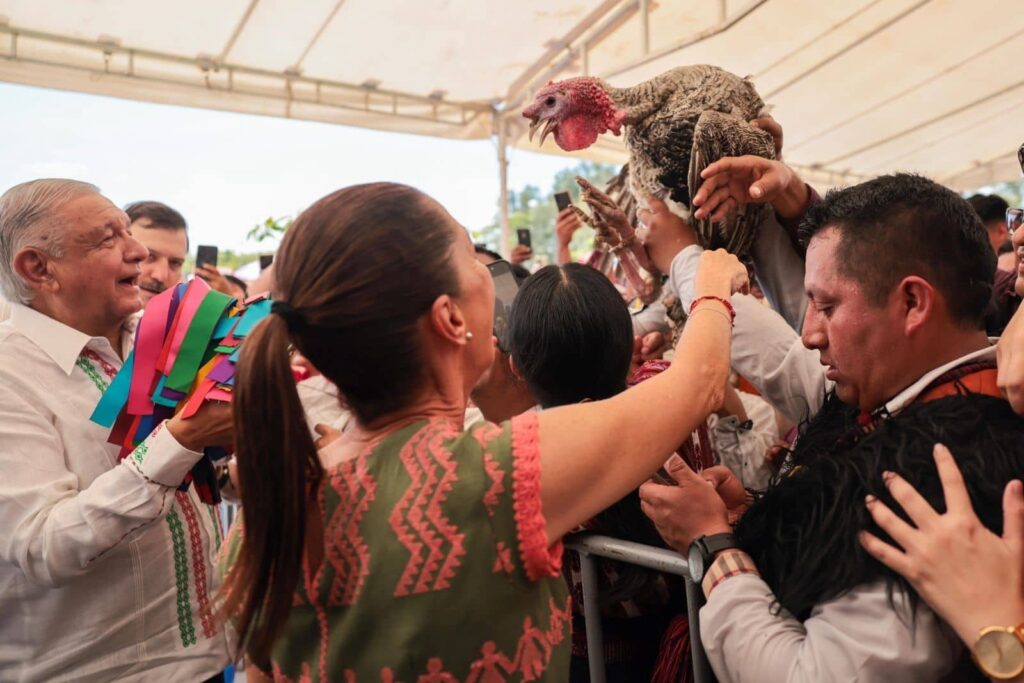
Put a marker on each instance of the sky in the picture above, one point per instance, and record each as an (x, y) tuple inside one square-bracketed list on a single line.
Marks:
[(225, 172)]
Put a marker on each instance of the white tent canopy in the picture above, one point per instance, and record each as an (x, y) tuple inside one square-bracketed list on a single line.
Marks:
[(862, 87)]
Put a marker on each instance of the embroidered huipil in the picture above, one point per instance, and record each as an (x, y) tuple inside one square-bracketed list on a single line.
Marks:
[(104, 566), (434, 564)]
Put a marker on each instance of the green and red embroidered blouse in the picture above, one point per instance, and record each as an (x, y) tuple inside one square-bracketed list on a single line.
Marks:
[(434, 565)]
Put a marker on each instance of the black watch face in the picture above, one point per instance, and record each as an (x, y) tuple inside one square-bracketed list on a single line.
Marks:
[(695, 561)]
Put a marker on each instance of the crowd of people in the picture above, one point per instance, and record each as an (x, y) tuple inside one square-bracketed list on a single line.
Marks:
[(829, 431)]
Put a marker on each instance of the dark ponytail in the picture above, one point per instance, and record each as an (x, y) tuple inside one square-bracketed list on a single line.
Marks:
[(277, 467), (354, 276)]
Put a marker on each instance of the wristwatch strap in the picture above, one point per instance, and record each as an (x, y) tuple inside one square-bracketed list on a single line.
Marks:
[(729, 563), (716, 543)]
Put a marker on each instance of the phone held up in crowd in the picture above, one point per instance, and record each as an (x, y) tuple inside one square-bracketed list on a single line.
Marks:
[(505, 289), (206, 255), (525, 239)]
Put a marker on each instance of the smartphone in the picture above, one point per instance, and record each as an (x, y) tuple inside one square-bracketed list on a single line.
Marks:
[(524, 237), (265, 261), (206, 255), (664, 478), (505, 289), (562, 201)]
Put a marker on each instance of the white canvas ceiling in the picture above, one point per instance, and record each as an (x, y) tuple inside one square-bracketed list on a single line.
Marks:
[(861, 86)]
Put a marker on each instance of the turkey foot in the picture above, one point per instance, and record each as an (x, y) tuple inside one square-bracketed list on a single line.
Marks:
[(613, 228)]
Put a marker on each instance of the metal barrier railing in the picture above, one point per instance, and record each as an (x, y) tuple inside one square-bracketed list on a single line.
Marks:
[(594, 545)]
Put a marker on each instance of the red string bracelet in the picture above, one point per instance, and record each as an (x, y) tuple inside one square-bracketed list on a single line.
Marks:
[(724, 302)]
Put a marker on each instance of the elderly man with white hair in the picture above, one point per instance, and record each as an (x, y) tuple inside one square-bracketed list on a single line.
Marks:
[(106, 567)]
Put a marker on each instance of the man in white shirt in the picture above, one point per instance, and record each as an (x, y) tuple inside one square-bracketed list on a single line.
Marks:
[(106, 567), (898, 276)]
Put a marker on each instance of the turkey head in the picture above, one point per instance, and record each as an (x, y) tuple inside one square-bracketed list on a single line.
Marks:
[(576, 110)]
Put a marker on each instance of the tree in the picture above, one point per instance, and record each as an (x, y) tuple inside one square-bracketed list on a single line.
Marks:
[(227, 260), (270, 229), (1011, 191), (536, 210)]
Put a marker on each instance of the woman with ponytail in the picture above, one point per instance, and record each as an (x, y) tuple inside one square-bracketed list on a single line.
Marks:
[(409, 549)]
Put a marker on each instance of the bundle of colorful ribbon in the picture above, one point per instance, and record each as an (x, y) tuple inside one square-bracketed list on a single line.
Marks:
[(186, 347)]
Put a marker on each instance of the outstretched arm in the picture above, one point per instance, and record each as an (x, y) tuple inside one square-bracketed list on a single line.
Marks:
[(55, 528), (751, 179), (592, 454), (765, 349)]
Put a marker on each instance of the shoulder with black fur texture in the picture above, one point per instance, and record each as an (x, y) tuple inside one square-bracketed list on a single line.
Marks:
[(802, 532)]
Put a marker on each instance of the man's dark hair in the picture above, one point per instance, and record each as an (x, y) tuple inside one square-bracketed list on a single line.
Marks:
[(899, 225), (482, 249), (570, 335), (571, 338), (159, 215), (991, 208)]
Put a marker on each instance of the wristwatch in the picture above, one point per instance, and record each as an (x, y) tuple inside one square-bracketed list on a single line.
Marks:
[(999, 652), (703, 550)]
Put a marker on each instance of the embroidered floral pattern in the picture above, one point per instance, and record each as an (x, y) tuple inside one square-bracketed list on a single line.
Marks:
[(497, 476), (305, 677), (185, 626), (355, 571), (217, 523), (198, 562), (487, 432), (109, 370), (139, 454), (92, 373), (538, 559), (503, 559), (436, 673), (347, 550), (433, 542)]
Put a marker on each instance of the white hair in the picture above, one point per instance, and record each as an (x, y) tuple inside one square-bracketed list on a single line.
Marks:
[(29, 219)]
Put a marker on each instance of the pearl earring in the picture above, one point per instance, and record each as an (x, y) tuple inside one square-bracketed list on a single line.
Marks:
[(469, 335)]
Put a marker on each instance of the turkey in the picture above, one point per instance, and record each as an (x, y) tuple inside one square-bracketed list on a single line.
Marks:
[(675, 126)]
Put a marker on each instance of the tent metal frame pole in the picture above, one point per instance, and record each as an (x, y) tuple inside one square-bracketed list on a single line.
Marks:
[(502, 125), (723, 26), (645, 27), (583, 38), (208, 67)]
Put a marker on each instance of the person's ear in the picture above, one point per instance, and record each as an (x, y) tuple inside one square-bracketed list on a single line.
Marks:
[(447, 321), (514, 370), (916, 298), (35, 268)]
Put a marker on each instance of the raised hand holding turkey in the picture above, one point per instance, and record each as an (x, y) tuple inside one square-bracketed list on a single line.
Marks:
[(772, 127), (749, 179), (662, 233), (720, 275)]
